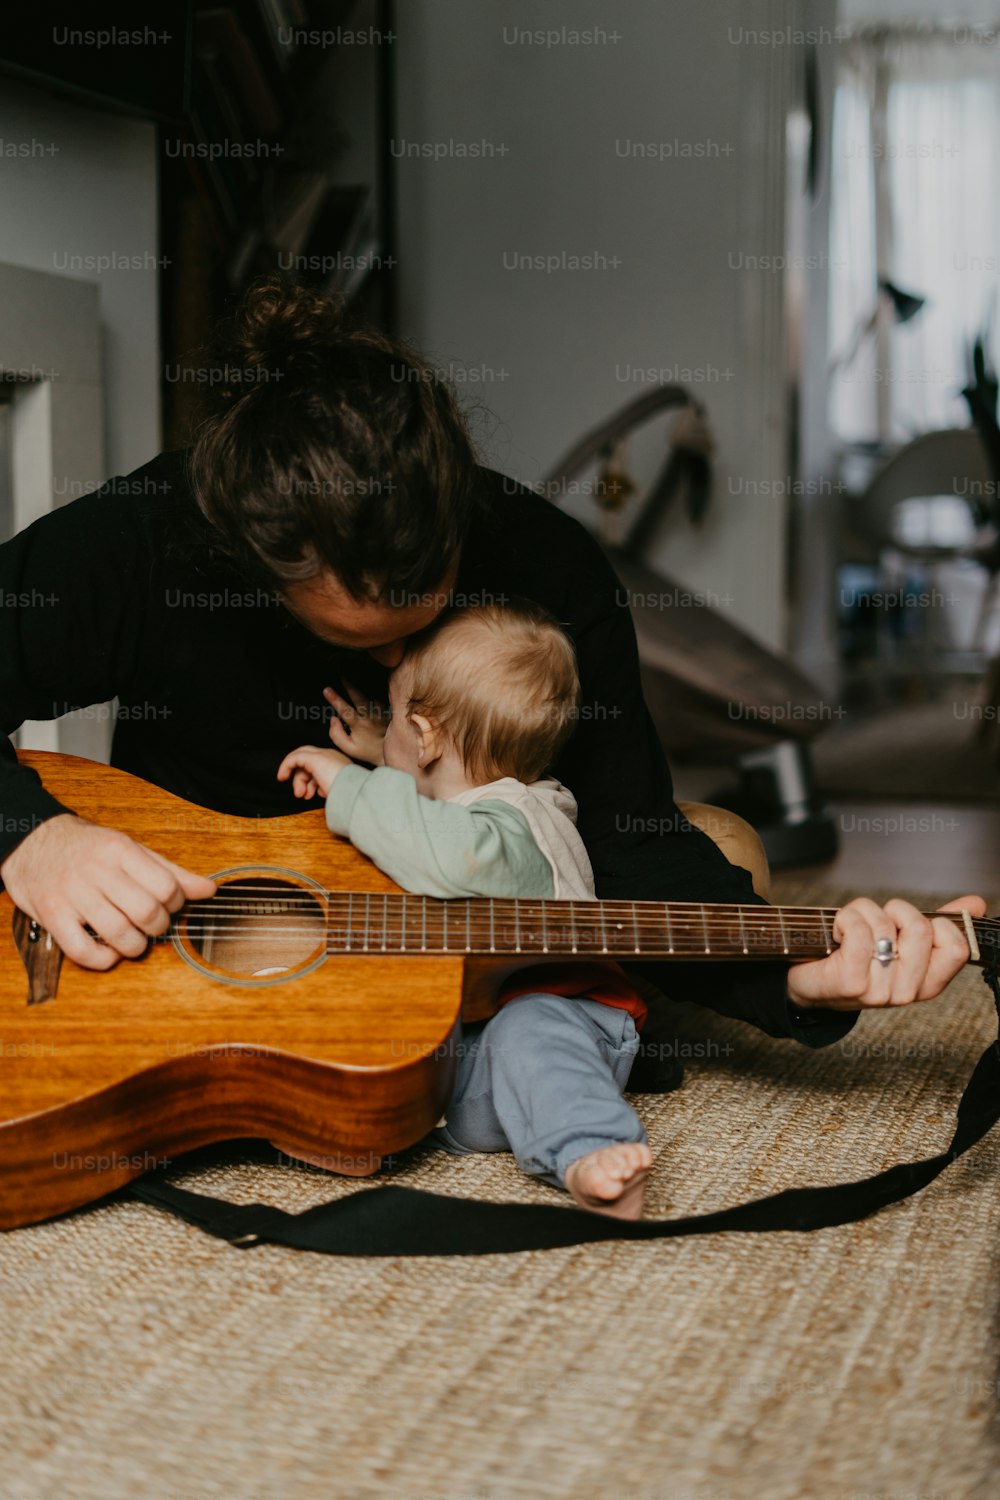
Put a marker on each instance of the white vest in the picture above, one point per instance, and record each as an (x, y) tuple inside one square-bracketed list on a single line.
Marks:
[(549, 809)]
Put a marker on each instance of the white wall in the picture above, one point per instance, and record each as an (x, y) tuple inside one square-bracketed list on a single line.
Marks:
[(84, 198), (78, 189), (551, 348), (813, 635), (904, 12)]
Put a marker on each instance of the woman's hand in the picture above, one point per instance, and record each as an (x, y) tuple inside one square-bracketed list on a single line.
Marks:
[(312, 769), (358, 727), (930, 954)]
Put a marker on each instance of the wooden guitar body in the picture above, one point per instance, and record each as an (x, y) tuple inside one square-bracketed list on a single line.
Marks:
[(115, 1072)]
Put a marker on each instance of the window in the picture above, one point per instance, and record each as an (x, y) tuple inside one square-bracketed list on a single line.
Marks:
[(915, 167)]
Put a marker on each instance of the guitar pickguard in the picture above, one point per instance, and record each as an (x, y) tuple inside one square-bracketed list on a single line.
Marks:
[(41, 956)]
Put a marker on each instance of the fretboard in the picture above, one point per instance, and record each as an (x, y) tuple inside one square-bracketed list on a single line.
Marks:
[(366, 922)]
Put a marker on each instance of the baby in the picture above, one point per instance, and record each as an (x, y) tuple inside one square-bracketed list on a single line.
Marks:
[(457, 806)]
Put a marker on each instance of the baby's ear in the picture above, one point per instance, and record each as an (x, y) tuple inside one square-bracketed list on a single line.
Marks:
[(429, 739)]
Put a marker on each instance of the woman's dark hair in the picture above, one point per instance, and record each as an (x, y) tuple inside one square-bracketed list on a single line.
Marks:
[(330, 447)]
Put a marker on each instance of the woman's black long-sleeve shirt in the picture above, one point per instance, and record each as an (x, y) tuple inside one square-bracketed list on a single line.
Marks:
[(119, 594)]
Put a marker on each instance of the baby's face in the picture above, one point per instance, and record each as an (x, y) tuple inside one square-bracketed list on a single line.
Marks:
[(401, 745)]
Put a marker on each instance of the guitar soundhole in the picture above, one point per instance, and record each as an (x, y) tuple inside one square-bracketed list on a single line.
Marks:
[(261, 927)]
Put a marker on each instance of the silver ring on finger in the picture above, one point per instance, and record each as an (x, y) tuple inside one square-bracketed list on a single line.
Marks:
[(885, 952)]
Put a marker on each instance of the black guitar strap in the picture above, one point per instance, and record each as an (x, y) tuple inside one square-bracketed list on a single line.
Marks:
[(400, 1221)]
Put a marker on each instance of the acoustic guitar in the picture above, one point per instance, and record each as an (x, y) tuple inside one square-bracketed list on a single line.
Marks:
[(310, 1001)]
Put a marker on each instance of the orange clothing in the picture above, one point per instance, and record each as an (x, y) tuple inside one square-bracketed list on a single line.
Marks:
[(603, 981)]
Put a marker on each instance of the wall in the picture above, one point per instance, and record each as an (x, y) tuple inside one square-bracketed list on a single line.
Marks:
[(78, 317), (909, 12), (545, 355), (83, 205), (817, 523)]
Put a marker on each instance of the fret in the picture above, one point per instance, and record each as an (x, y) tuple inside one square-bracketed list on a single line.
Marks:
[(635, 928), (423, 924), (517, 927), (670, 927), (468, 931), (784, 932), (545, 930), (604, 930), (572, 926), (402, 926), (493, 936), (368, 907), (743, 930), (350, 918), (444, 925), (385, 919), (704, 928)]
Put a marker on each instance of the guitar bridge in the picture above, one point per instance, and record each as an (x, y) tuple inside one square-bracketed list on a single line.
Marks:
[(41, 956)]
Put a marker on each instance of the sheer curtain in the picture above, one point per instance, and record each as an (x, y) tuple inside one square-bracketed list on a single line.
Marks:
[(916, 170)]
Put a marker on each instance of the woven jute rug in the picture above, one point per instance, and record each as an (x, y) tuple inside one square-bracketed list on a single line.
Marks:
[(143, 1359)]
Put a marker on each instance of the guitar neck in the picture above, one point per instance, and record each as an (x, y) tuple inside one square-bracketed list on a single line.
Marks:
[(369, 922)]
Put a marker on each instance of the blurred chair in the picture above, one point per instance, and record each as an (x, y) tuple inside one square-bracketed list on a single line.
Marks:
[(920, 517)]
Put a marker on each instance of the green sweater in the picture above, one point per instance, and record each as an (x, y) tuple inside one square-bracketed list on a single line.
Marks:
[(437, 848)]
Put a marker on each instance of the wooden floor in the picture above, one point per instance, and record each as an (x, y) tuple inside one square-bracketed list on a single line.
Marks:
[(906, 845), (915, 846)]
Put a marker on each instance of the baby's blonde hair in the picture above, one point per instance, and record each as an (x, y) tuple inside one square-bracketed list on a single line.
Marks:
[(501, 682)]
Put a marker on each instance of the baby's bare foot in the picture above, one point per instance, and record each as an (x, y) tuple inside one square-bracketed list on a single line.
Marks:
[(611, 1180)]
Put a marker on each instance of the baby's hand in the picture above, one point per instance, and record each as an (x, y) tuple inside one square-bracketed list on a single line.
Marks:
[(312, 770), (357, 728)]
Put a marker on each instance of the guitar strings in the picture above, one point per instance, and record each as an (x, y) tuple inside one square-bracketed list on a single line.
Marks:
[(299, 897), (577, 925), (522, 901), (677, 915), (679, 911), (553, 920), (527, 920), (692, 935)]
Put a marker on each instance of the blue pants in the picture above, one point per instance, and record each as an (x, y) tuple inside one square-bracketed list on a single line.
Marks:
[(544, 1078)]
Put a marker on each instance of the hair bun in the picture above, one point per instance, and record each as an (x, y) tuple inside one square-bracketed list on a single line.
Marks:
[(282, 325)]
